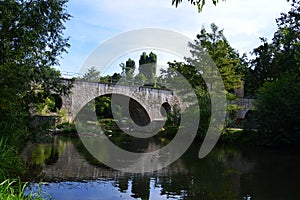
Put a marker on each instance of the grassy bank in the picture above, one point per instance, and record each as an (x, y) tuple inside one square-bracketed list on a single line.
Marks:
[(14, 190), (11, 168), (234, 136)]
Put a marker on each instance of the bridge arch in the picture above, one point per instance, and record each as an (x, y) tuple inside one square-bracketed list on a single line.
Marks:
[(124, 109), (57, 102), (246, 104), (150, 99), (165, 109)]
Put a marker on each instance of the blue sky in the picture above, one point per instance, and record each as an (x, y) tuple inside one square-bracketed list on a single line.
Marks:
[(95, 21)]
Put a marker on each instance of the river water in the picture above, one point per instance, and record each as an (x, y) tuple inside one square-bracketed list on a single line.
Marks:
[(66, 170)]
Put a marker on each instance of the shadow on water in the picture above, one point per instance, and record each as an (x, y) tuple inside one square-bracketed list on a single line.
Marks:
[(70, 172)]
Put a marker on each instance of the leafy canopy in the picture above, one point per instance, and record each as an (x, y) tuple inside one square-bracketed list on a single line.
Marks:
[(198, 3), (32, 40)]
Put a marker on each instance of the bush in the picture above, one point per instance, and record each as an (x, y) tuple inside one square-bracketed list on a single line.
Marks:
[(278, 109), (11, 164)]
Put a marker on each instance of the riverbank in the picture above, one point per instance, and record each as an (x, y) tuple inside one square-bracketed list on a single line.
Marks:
[(229, 136)]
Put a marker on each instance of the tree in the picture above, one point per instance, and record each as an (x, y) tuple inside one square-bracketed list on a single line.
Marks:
[(207, 48), (261, 67), (226, 59), (281, 55), (92, 74), (198, 3), (147, 66), (224, 56), (278, 109), (32, 41), (128, 68), (174, 72), (278, 101), (115, 77)]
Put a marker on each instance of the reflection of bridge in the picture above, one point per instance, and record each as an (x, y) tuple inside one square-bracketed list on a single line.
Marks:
[(151, 100)]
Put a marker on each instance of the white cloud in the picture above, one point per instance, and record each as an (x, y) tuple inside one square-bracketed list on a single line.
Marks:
[(95, 21)]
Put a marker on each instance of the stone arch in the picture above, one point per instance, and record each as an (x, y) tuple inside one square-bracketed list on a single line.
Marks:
[(247, 104), (122, 109), (58, 102), (243, 113), (165, 109), (248, 113), (250, 121), (133, 102), (138, 113)]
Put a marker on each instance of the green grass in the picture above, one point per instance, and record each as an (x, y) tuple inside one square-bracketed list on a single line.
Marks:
[(14, 190), (11, 164)]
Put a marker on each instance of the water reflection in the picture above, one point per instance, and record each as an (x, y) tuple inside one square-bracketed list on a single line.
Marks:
[(227, 173)]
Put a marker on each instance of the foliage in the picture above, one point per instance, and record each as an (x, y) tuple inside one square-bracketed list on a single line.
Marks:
[(275, 80), (14, 190), (111, 79), (174, 72), (278, 57), (173, 120), (66, 128), (140, 79), (198, 3), (11, 165), (103, 108), (46, 107), (224, 56), (147, 66), (128, 68), (278, 104), (63, 116), (230, 65), (92, 74), (32, 40)]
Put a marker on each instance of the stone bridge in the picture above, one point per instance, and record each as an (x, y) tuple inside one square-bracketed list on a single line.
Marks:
[(152, 100), (155, 102), (246, 105)]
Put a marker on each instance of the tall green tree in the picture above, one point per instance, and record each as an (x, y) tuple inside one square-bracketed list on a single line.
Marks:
[(147, 66), (92, 74), (281, 55), (227, 60), (278, 109), (278, 104), (31, 40), (172, 77), (128, 68), (224, 56), (208, 48)]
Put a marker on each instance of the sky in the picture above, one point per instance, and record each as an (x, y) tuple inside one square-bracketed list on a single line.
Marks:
[(96, 21)]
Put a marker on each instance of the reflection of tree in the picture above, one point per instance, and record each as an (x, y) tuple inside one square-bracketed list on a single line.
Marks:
[(122, 183), (214, 177), (40, 155), (141, 187)]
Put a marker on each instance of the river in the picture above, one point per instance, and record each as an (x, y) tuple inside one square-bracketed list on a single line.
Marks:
[(66, 170)]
